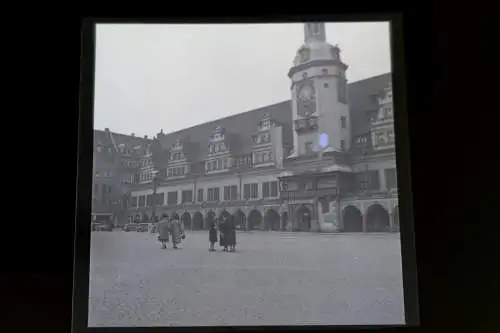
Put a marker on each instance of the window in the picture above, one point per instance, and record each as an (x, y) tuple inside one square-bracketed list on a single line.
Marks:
[(134, 202), (324, 71), (325, 85), (96, 189), (213, 194), (254, 191), (342, 144), (142, 201), (187, 196), (219, 164), (200, 194), (391, 178), (172, 198), (266, 190), (227, 193), (270, 156), (309, 147), (274, 188), (343, 122), (342, 91), (373, 180), (315, 28), (246, 191), (149, 201), (161, 199), (110, 188), (234, 192)]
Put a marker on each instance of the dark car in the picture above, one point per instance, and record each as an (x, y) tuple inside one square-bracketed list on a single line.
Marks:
[(139, 227)]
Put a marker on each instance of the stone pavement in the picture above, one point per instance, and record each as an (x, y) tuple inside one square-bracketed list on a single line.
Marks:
[(274, 278)]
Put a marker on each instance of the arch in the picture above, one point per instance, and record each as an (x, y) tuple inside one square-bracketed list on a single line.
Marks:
[(284, 221), (186, 220), (303, 217), (209, 219), (352, 218), (254, 219), (395, 218), (197, 221), (272, 220), (240, 219), (377, 219)]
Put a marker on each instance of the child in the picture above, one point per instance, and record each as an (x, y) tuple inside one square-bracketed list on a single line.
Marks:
[(212, 235)]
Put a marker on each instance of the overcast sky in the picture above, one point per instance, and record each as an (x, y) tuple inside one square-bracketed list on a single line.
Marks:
[(150, 77)]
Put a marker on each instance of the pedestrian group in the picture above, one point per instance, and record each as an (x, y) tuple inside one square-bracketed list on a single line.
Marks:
[(173, 229)]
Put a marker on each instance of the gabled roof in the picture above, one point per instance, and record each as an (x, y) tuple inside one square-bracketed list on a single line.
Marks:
[(238, 128), (104, 138), (361, 100)]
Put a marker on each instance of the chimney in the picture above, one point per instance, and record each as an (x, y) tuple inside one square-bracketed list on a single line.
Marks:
[(106, 130), (145, 137), (132, 135)]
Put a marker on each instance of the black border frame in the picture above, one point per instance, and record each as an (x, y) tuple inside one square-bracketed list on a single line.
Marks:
[(84, 177)]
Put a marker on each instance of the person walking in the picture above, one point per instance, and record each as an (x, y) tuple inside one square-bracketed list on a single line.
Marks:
[(222, 231), (231, 232), (177, 231), (163, 231), (212, 236)]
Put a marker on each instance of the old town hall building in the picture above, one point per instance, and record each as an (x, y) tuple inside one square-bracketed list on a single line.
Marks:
[(322, 161)]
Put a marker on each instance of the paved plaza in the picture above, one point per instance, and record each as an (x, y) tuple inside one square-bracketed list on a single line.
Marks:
[(274, 278)]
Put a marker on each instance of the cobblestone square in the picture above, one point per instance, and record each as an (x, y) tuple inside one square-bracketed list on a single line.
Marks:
[(274, 278)]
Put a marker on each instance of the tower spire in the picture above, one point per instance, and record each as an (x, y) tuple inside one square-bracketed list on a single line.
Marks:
[(314, 31)]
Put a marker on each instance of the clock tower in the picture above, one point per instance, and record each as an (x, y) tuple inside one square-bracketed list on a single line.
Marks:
[(319, 94)]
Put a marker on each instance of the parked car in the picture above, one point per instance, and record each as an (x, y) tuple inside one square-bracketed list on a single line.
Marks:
[(104, 227), (139, 227), (101, 226)]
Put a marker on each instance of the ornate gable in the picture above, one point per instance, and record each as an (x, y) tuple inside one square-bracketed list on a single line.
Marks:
[(219, 154), (178, 166), (262, 142)]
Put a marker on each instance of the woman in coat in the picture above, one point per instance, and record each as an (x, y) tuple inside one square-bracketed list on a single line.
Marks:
[(230, 233), (163, 229), (222, 231), (212, 236), (177, 231)]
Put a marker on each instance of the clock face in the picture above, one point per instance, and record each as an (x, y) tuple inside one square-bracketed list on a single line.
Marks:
[(306, 92)]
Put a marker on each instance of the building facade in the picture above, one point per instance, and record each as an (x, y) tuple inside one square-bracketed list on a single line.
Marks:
[(116, 161), (322, 161)]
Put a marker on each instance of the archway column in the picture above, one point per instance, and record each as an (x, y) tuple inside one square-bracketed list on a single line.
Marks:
[(391, 222), (365, 222)]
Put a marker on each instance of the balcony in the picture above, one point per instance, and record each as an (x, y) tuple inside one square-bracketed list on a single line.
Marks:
[(306, 125)]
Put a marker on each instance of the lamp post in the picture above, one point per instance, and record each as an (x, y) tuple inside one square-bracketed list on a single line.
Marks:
[(155, 185)]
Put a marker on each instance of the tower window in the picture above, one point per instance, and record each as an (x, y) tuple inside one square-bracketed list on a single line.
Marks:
[(325, 85), (315, 29), (343, 122)]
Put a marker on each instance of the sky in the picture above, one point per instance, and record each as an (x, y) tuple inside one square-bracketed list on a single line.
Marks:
[(163, 76)]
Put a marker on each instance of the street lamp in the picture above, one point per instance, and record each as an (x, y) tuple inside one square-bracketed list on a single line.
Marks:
[(155, 185)]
